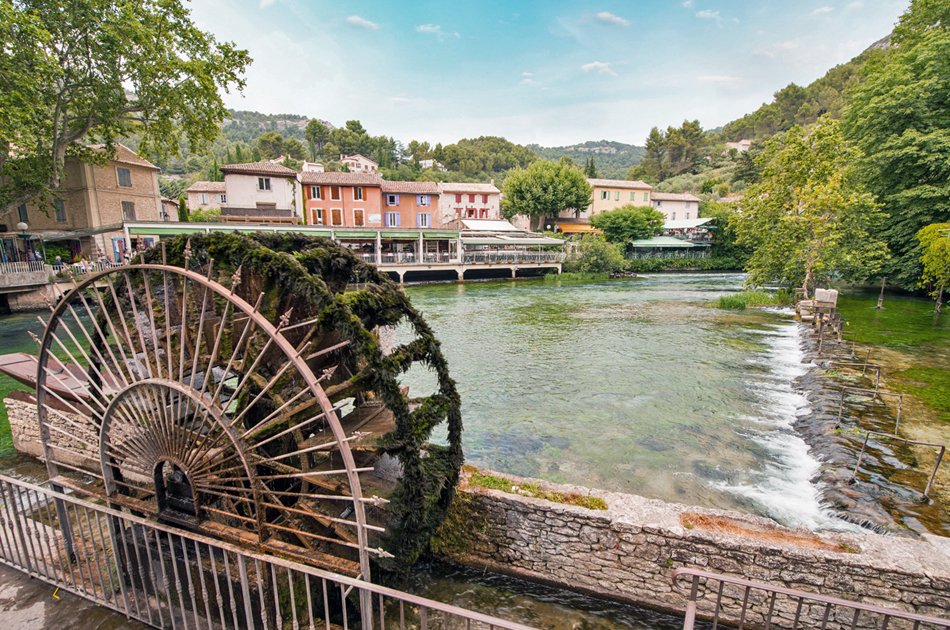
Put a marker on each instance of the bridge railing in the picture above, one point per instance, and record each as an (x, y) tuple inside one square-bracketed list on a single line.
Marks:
[(740, 603), (21, 267), (171, 578)]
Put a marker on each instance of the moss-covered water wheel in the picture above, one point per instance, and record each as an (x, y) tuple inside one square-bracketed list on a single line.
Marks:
[(336, 304), (236, 385)]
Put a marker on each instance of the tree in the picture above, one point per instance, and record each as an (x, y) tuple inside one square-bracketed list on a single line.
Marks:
[(596, 255), (317, 134), (214, 171), (270, 145), (182, 210), (900, 119), (808, 221), (724, 243), (545, 189), (591, 169), (935, 258), (629, 223), (91, 71)]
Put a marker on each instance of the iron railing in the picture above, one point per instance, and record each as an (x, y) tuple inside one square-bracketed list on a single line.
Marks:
[(740, 603), (167, 577)]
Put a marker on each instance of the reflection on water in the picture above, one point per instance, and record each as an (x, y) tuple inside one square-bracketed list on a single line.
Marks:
[(634, 386)]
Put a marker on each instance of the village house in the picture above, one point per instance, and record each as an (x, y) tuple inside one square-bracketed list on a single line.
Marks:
[(676, 206), (87, 211), (359, 163), (259, 192), (204, 195), (608, 194), (741, 146), (468, 201), (341, 199), (410, 204)]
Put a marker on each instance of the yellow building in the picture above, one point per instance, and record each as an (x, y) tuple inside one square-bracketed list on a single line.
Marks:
[(608, 194)]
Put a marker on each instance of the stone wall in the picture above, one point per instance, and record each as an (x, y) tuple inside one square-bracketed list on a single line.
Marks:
[(79, 448), (629, 551)]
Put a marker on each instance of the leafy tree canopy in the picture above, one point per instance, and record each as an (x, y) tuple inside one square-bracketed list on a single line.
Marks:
[(95, 70), (935, 258), (724, 243), (629, 223), (545, 189), (595, 254), (807, 220), (900, 118)]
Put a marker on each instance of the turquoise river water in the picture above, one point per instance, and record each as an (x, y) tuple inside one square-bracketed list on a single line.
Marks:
[(634, 385)]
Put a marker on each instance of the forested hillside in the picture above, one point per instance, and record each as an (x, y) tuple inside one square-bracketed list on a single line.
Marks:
[(611, 159)]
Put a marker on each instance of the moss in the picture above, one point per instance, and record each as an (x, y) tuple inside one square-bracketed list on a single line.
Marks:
[(313, 278), (533, 489)]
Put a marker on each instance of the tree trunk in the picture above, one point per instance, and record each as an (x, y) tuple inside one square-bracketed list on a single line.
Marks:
[(939, 304)]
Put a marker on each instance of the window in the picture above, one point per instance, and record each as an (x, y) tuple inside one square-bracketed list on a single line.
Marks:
[(263, 183), (358, 220), (392, 219), (484, 198), (471, 198), (424, 219), (128, 210), (317, 216), (24, 216), (687, 215), (633, 196), (458, 198), (470, 213), (392, 200), (60, 210), (423, 200), (358, 193), (125, 177), (336, 216), (646, 196), (335, 193), (223, 198), (204, 199), (673, 218), (315, 192), (617, 195), (483, 213), (604, 195)]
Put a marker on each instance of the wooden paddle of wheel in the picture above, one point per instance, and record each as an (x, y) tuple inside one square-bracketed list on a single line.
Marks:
[(202, 413)]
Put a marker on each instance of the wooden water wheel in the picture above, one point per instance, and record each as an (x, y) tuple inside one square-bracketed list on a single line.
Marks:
[(250, 399)]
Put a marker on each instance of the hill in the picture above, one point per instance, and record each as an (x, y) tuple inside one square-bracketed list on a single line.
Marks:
[(612, 159)]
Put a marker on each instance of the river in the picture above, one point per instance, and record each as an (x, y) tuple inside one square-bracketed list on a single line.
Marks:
[(633, 385)]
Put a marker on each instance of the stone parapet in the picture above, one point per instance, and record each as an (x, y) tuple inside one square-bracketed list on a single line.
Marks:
[(629, 551)]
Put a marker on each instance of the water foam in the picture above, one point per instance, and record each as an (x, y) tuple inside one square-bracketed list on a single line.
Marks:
[(783, 488)]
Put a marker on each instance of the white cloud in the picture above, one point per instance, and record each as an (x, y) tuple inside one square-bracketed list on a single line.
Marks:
[(355, 20), (609, 18), (719, 79), (822, 10), (266, 3), (436, 29), (855, 5), (600, 67), (400, 100), (706, 14), (689, 4)]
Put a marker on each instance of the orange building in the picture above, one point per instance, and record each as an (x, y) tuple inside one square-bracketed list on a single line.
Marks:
[(410, 204), (342, 199)]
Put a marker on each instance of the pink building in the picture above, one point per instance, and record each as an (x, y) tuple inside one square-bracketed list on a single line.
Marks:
[(410, 204), (341, 199)]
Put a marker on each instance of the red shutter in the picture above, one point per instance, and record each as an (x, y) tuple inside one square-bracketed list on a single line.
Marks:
[(458, 198)]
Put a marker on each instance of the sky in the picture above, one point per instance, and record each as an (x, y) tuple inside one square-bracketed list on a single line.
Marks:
[(551, 72)]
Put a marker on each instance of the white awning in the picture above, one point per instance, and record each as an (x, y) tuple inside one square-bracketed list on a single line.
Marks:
[(685, 224)]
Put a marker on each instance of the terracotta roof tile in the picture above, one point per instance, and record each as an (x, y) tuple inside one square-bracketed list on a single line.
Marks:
[(620, 183), (456, 187), (341, 179), (411, 188), (259, 168), (199, 187)]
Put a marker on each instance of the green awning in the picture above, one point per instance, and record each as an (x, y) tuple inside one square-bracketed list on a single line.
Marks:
[(440, 235), (367, 234), (406, 236), (165, 231)]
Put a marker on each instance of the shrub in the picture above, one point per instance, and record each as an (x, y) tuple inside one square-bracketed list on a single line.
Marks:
[(596, 255)]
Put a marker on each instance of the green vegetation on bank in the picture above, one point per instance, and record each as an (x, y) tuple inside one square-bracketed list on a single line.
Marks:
[(755, 297), (533, 489)]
